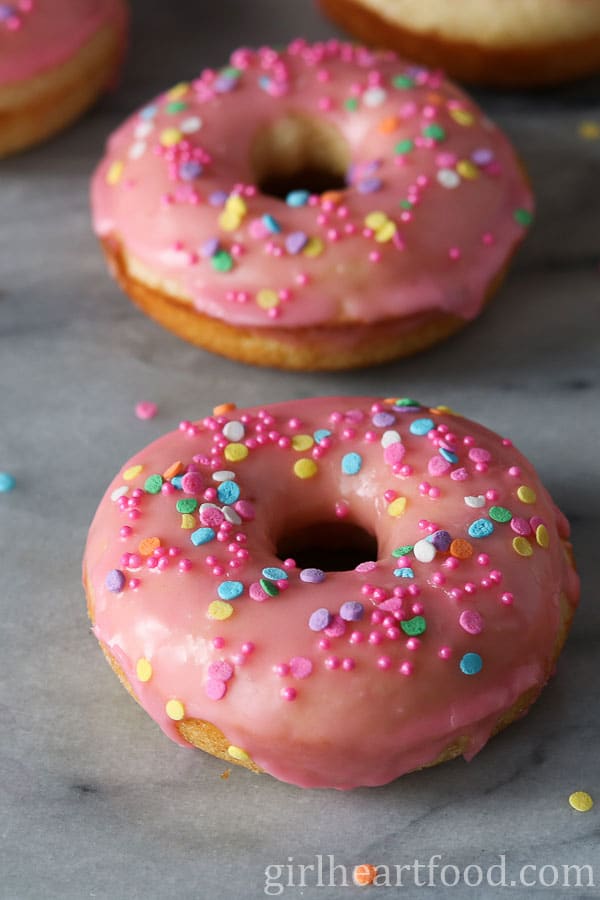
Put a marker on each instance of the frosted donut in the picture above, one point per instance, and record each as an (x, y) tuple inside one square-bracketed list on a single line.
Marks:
[(56, 58), (334, 591), (321, 207), (510, 43)]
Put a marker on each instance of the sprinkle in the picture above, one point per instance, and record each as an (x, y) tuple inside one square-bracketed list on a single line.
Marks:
[(434, 131), (236, 452), (476, 502), (215, 688), (471, 664), (143, 669), (297, 198), (448, 455), (542, 536), (222, 261), (170, 136), (223, 475), (219, 610), (174, 469), (415, 626), (403, 82), (312, 576), (461, 549), (132, 472), (153, 484), (192, 483), (256, 592), (230, 590), (424, 551), (305, 468), (114, 173), (202, 536), (300, 667), (581, 801), (188, 521), (269, 587), (145, 409), (462, 117), (441, 540), (480, 528), (500, 514), (274, 573), (313, 248), (421, 426), (404, 147), (228, 492), (115, 581), (352, 611), (448, 178), (221, 670), (175, 710), (271, 224), (471, 621), (238, 753), (148, 545), (397, 507), (374, 97), (267, 299), (402, 551), (364, 874), (523, 217), (320, 434), (351, 463), (7, 482), (186, 505), (522, 546), (404, 572), (296, 242), (526, 494), (319, 619), (302, 442)]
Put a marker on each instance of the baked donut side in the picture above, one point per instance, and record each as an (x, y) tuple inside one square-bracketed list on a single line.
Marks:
[(335, 591), (509, 61)]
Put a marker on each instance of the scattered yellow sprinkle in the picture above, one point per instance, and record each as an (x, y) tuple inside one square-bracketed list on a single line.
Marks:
[(238, 753), (467, 169), (376, 219), (236, 204), (438, 410), (397, 507), (526, 494), (305, 468), (148, 545), (219, 610), (302, 442), (590, 131), (267, 298), (236, 452), (173, 470), (581, 801), (522, 546), (386, 232), (143, 669), (542, 536), (115, 170), (462, 116), (132, 472), (175, 710), (229, 220), (178, 90), (314, 247), (188, 521), (223, 408), (170, 136)]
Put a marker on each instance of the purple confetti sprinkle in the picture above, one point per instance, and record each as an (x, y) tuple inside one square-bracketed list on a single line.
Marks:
[(319, 620), (369, 185), (115, 581), (352, 611), (441, 540), (312, 576), (295, 242), (383, 419)]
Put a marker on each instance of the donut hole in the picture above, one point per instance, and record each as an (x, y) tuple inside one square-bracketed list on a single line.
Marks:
[(299, 153), (331, 546)]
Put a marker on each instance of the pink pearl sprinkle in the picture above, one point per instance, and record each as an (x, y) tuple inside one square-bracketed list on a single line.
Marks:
[(125, 531), (406, 668), (288, 693), (332, 662), (357, 637), (348, 664), (507, 598), (384, 662), (444, 653), (145, 409)]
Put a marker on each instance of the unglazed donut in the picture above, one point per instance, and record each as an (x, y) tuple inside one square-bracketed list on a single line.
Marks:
[(509, 43), (56, 58), (321, 207), (334, 591)]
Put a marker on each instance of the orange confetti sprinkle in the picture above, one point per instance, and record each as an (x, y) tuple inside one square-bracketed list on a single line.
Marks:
[(173, 470), (224, 408), (386, 126), (331, 197), (364, 874), (148, 545), (461, 549)]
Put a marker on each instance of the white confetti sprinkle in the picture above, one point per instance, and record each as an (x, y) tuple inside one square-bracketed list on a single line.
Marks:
[(119, 492), (424, 551), (475, 502), (390, 437), (234, 431), (223, 475), (448, 178)]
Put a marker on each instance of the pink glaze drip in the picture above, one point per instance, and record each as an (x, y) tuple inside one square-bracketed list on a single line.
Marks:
[(451, 196), (49, 32), (374, 695)]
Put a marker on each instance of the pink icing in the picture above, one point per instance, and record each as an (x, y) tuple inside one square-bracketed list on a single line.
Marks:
[(45, 33), (369, 696), (451, 197)]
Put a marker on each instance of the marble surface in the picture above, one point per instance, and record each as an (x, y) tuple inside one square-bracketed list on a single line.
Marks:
[(94, 800)]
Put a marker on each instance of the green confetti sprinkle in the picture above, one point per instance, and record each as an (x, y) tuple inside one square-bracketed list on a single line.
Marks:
[(500, 514), (436, 132), (404, 147), (187, 505), (406, 401), (406, 204), (175, 106), (222, 261), (402, 551), (413, 627), (153, 484), (351, 104), (269, 587), (523, 217), (403, 82)]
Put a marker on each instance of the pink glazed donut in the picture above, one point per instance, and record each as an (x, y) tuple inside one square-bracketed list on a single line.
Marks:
[(56, 58), (335, 591), (319, 207)]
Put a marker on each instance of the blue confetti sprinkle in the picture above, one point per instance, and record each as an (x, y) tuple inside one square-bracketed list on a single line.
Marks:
[(7, 482), (297, 198), (228, 492), (148, 112), (421, 426), (202, 536), (274, 573), (351, 463), (229, 590), (404, 572), (176, 481), (481, 528), (471, 664), (448, 455), (320, 434), (271, 224)]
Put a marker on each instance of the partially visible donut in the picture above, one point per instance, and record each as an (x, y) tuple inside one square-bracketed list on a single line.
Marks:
[(511, 43), (318, 207), (56, 58), (334, 591)]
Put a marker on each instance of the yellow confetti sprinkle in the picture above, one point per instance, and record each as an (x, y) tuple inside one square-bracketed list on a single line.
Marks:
[(238, 753), (386, 232), (439, 410), (267, 299), (178, 90), (236, 452), (132, 472), (462, 116), (302, 442), (467, 169), (314, 247), (590, 131), (376, 219), (236, 205), (170, 136), (175, 710), (542, 536), (143, 669), (115, 170), (397, 507), (188, 521), (526, 494), (581, 801), (305, 468), (522, 546), (229, 220), (219, 610)]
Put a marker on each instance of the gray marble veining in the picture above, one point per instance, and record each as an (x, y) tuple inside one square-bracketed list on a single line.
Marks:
[(94, 800)]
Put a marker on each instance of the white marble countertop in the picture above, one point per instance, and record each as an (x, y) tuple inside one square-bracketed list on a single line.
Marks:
[(94, 800)]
